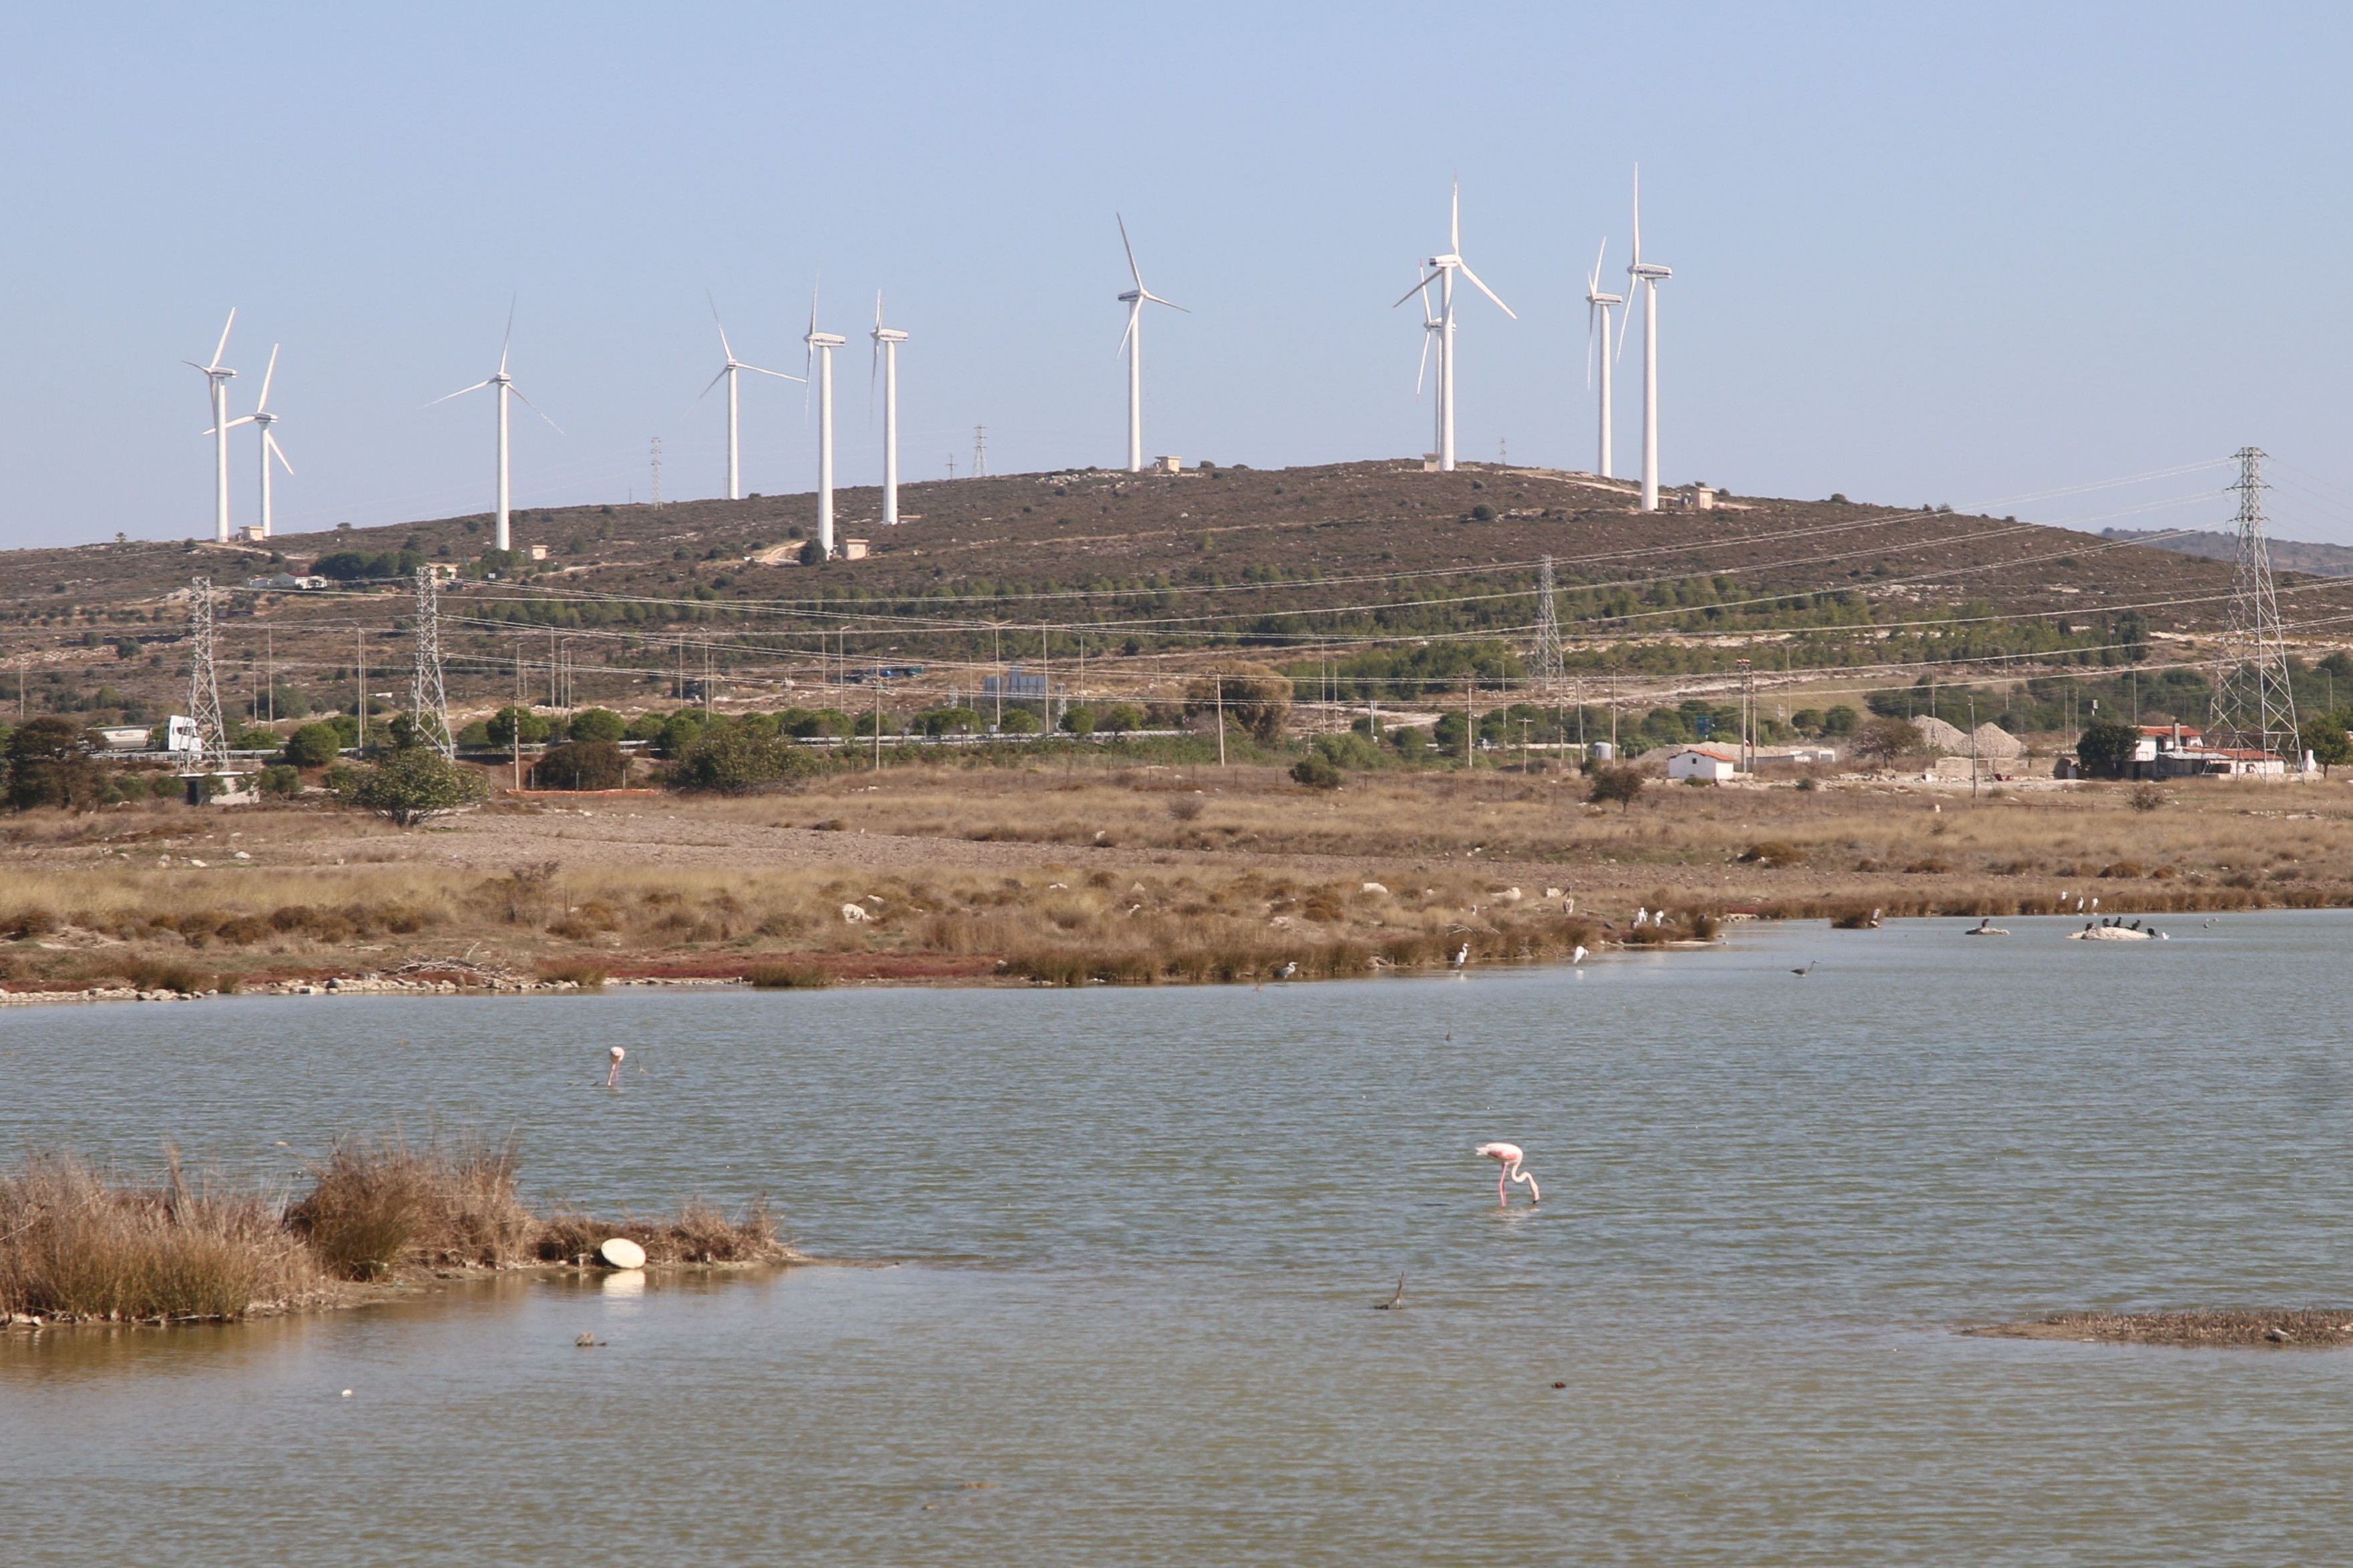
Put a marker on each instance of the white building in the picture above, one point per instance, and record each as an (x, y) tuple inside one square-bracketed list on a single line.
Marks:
[(1715, 763)]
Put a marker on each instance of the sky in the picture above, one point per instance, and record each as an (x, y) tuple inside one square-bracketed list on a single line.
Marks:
[(1985, 256)]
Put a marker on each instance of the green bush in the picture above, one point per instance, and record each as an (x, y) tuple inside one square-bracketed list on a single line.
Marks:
[(503, 727), (1079, 720), (735, 760), (1315, 771), (1018, 721), (1120, 718), (49, 764), (314, 746), (595, 724), (1622, 784), (582, 765), (413, 786), (280, 779)]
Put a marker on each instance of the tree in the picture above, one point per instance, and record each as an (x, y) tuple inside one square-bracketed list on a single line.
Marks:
[(1018, 721), (1120, 718), (733, 759), (593, 724), (1622, 785), (2105, 749), (49, 764), (1883, 741), (2323, 736), (1079, 720), (314, 746), (1253, 697), (582, 765), (1838, 719), (508, 722), (413, 784), (946, 722)]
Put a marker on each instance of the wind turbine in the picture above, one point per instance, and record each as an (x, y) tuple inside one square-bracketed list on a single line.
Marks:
[(1646, 273), (1597, 307), (216, 379), (727, 373), (1430, 326), (1442, 271), (1131, 341), (269, 447), (886, 349), (504, 383), (820, 353)]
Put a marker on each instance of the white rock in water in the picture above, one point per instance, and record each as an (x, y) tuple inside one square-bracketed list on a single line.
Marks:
[(622, 1253)]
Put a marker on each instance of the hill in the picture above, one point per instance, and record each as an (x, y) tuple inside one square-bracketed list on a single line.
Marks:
[(1376, 577), (2287, 554)]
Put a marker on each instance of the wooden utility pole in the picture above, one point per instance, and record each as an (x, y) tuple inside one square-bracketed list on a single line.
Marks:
[(359, 656), (516, 737), (1219, 678)]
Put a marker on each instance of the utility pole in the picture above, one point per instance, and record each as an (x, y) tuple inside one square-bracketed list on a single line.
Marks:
[(515, 738), (270, 669), (2252, 701), (1747, 717), (1470, 730), (952, 465), (1219, 678), (204, 683), (656, 461), (551, 664), (428, 700), (1548, 632), (359, 661)]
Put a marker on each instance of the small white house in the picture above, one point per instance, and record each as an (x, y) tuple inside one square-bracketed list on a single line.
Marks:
[(1715, 763)]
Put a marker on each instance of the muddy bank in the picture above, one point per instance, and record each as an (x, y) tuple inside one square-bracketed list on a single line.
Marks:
[(2252, 1328)]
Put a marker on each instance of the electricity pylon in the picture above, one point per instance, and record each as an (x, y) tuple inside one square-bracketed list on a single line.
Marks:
[(428, 704), (2253, 704)]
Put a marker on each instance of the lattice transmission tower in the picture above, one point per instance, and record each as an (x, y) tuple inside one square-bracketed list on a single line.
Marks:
[(1549, 661), (428, 704), (204, 683), (2253, 705)]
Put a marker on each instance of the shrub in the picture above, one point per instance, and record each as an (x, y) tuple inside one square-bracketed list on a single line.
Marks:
[(582, 765), (789, 976), (49, 764), (413, 785), (1315, 771), (2146, 798), (372, 1203), (1772, 852), (1619, 783), (504, 726), (1079, 720), (1883, 741), (281, 779), (1018, 721), (1120, 718), (2107, 749), (584, 973), (735, 760), (1253, 697), (314, 746)]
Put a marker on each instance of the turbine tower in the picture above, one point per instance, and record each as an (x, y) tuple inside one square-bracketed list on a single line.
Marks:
[(504, 383), (1442, 269), (727, 373), (216, 379), (821, 354), (1430, 326), (1597, 307), (886, 349), (1648, 273), (269, 447), (1131, 341)]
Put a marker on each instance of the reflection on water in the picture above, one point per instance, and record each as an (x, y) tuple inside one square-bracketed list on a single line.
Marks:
[(1144, 1232)]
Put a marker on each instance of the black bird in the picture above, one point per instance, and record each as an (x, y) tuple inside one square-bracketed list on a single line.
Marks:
[(1801, 973)]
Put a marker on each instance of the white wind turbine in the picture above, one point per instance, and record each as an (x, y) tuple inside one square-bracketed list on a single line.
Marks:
[(1646, 276), (504, 383), (1442, 271), (216, 379), (886, 349), (1131, 341), (821, 354), (269, 449), (727, 373), (1597, 307), (1431, 327)]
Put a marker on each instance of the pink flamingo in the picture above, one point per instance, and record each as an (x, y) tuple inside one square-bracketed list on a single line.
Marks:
[(613, 1074), (1507, 1156)]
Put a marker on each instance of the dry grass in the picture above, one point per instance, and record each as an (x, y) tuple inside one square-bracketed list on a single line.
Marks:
[(76, 1244)]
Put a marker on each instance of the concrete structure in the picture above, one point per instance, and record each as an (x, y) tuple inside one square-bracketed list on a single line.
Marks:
[(1169, 463), (1799, 756), (1716, 764)]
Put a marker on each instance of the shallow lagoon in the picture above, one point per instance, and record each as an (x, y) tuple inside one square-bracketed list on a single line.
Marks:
[(1116, 1251)]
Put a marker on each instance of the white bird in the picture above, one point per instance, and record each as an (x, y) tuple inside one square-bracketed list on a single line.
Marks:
[(1507, 1157), (1288, 970), (1579, 956), (2095, 906), (1641, 914), (1462, 955), (613, 1073)]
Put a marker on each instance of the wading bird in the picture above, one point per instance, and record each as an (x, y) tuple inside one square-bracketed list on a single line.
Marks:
[(1579, 956), (613, 1073), (1507, 1157), (1801, 973), (1462, 955)]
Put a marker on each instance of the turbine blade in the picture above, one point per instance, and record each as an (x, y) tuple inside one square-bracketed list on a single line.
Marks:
[(1487, 291), (878, 309), (459, 392), (1454, 221), (1593, 278), (764, 370), (263, 402), (535, 407), (1135, 308), (234, 422), (1133, 269), (509, 339), (1423, 369), (715, 381), (1591, 307), (1159, 300), (1638, 215), (1417, 289), (222, 347), (277, 451), (724, 347)]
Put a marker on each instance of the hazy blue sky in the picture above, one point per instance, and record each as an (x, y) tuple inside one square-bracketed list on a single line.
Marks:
[(1922, 253)]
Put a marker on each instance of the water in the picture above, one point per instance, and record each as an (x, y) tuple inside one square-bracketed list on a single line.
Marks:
[(1115, 1253)]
